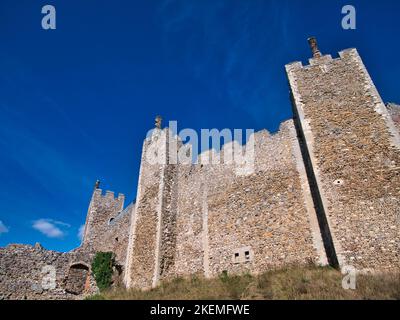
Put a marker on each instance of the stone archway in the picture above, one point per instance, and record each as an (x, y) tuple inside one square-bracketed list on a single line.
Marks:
[(78, 278)]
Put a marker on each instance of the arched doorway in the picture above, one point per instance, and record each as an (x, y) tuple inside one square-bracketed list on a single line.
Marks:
[(78, 278)]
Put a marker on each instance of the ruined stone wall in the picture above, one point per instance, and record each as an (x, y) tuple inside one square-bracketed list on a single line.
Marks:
[(21, 266), (23, 273), (353, 149)]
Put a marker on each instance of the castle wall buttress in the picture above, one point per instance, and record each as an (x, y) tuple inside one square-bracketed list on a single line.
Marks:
[(352, 153), (151, 246)]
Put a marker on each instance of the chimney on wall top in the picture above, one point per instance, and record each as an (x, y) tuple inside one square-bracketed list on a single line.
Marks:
[(158, 122), (312, 41)]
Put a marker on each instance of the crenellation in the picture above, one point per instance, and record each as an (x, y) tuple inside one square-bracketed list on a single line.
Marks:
[(109, 195), (326, 59)]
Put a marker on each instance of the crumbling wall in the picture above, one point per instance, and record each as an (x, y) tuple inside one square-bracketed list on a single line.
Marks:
[(26, 272), (23, 268), (353, 149)]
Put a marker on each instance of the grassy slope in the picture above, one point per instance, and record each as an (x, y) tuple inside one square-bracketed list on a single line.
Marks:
[(291, 283)]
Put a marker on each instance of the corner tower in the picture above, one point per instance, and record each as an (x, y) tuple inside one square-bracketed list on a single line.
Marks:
[(351, 149), (102, 209), (152, 235)]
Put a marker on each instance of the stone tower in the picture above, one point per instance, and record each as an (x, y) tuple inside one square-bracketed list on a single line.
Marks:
[(152, 233), (102, 209), (351, 149)]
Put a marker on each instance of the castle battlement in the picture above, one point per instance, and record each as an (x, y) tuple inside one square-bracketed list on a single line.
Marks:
[(108, 195), (159, 143)]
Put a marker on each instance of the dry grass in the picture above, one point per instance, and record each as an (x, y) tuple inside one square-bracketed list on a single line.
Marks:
[(294, 283)]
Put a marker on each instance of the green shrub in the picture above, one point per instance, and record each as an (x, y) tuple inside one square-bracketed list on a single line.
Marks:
[(102, 268)]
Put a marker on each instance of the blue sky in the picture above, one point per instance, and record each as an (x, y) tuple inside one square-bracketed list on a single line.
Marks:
[(77, 102)]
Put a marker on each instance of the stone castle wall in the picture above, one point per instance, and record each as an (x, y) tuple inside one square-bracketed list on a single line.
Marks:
[(261, 221), (206, 218), (238, 223), (394, 111), (325, 189), (107, 225), (353, 147)]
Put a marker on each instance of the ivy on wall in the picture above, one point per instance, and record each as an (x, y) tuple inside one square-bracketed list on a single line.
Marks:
[(102, 268)]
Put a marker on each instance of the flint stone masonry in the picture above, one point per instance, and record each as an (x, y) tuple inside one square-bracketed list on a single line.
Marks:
[(324, 189), (353, 146), (144, 244), (264, 211), (194, 217), (394, 111), (24, 270), (107, 224), (107, 230)]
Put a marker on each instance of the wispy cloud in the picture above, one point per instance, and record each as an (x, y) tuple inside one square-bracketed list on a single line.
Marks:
[(81, 231), (50, 228), (3, 228)]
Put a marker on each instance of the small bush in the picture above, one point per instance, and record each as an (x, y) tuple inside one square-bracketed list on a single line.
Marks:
[(102, 268)]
